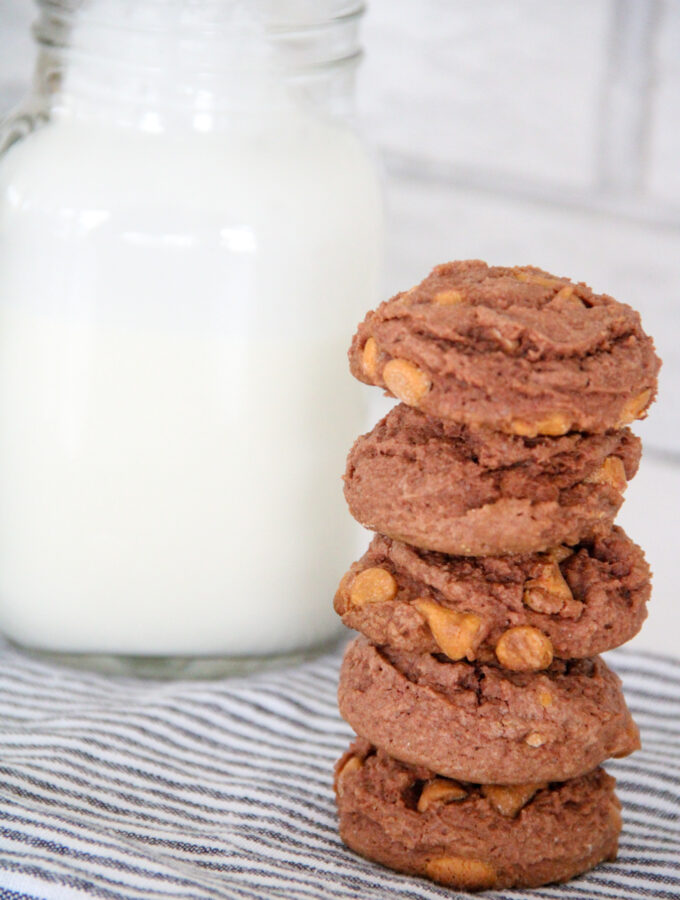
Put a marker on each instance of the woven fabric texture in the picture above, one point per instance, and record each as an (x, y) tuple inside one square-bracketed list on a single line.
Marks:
[(136, 790)]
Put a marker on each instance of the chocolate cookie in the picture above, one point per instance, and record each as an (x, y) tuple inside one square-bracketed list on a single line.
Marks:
[(519, 610), (482, 723), (469, 836), (467, 492), (517, 350)]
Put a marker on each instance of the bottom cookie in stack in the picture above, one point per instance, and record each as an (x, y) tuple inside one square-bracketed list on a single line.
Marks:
[(471, 836)]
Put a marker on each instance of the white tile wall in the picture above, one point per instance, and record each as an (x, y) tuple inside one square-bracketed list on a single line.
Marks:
[(663, 172), (510, 87), (16, 52)]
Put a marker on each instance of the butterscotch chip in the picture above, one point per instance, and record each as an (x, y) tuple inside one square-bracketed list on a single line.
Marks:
[(529, 277), (508, 800), (611, 472), (406, 381), (634, 408), (566, 299), (524, 649), (370, 358), (535, 739), (545, 698), (440, 790), (448, 298), (510, 345), (374, 585), (629, 742), (461, 872), (559, 554), (548, 592), (456, 633), (343, 769), (353, 764), (552, 426)]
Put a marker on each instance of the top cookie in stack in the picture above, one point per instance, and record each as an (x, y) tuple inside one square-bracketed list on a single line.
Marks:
[(516, 350), (495, 578)]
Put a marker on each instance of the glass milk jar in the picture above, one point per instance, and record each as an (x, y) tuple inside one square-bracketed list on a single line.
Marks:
[(189, 231)]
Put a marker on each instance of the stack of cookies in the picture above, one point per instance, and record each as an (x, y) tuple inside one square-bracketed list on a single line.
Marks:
[(495, 578)]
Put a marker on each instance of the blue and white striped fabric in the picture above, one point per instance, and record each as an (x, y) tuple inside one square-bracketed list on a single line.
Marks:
[(129, 790)]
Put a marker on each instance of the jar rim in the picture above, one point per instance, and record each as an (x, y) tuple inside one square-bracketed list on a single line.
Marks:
[(298, 44), (60, 13), (202, 59)]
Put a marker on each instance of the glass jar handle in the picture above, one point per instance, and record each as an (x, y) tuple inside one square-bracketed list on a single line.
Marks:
[(19, 123)]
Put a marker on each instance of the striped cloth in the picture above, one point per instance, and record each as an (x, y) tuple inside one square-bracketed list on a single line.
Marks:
[(130, 790)]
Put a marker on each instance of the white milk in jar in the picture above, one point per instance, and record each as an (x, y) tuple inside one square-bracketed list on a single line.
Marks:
[(178, 287)]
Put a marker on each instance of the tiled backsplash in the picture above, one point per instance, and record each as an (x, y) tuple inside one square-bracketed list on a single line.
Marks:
[(579, 95), (663, 178), (16, 51), (512, 88)]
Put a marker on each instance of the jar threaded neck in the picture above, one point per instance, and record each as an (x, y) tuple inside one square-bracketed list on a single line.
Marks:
[(202, 57)]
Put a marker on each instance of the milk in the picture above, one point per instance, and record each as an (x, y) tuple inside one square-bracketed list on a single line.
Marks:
[(175, 406)]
